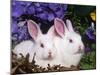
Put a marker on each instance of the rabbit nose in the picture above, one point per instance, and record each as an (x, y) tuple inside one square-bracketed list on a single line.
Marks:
[(81, 49), (49, 53)]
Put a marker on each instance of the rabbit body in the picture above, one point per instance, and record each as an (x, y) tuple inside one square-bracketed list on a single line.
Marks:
[(24, 48), (68, 42), (42, 45), (61, 45)]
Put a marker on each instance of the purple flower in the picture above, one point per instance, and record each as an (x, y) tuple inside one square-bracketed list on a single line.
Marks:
[(51, 17), (19, 8), (43, 15), (19, 32), (31, 10), (59, 15), (87, 49), (38, 10), (37, 5), (54, 7), (90, 32), (23, 33), (43, 11), (14, 27), (54, 10)]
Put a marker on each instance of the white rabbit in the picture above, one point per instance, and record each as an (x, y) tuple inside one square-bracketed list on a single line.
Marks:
[(68, 42), (42, 45)]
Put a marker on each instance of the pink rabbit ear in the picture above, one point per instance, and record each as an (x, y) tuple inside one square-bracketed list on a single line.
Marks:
[(33, 29), (69, 25), (59, 27)]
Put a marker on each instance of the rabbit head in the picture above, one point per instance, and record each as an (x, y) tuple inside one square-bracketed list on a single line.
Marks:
[(67, 39), (44, 46), (75, 39)]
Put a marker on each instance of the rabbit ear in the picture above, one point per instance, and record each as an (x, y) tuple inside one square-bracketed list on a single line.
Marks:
[(59, 26), (33, 29), (69, 25)]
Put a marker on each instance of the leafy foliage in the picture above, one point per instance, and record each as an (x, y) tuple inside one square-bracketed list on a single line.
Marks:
[(88, 61)]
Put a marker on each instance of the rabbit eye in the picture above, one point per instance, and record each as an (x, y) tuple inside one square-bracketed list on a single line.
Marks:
[(70, 40), (42, 45)]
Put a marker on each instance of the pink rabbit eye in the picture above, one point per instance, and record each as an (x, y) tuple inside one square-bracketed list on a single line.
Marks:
[(42, 45), (70, 40)]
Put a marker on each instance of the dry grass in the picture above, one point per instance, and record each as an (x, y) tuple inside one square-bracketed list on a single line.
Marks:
[(23, 66)]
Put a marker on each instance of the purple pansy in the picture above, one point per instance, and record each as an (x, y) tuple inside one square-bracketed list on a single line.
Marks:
[(43, 11), (90, 32), (19, 32), (48, 11)]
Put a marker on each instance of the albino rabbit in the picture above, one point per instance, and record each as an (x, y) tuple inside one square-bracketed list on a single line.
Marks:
[(42, 45), (68, 42)]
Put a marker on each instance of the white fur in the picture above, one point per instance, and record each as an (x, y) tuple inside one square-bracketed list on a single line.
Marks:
[(41, 57), (69, 51), (24, 48), (63, 52), (42, 53)]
